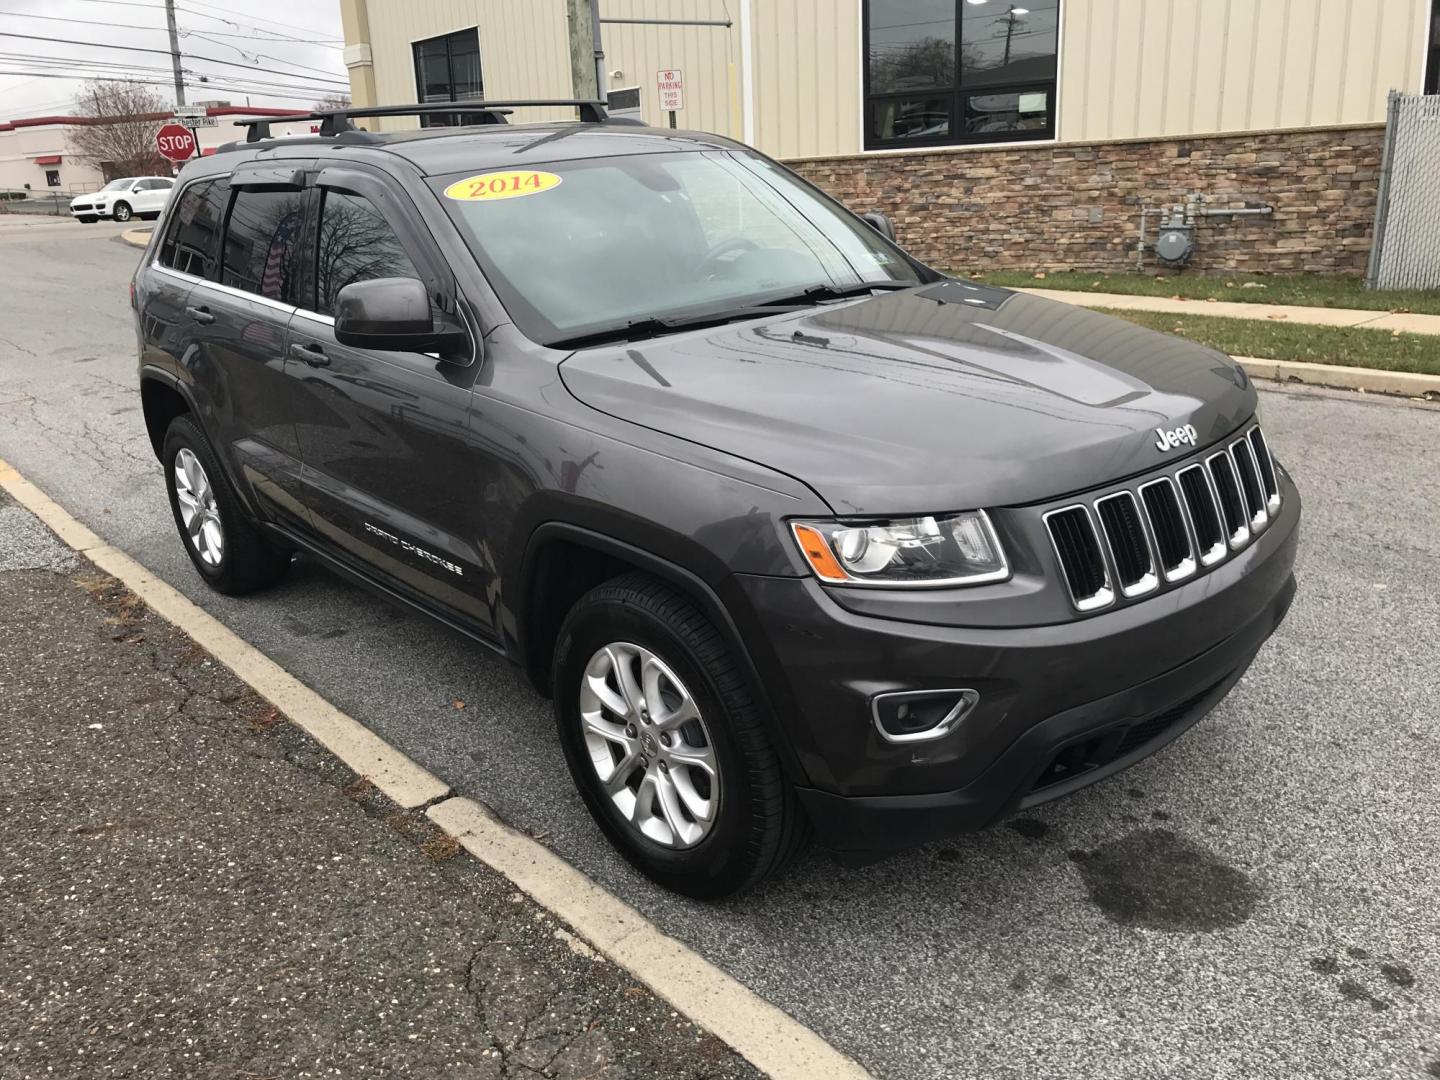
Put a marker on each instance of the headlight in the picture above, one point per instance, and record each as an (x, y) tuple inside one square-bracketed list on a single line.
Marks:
[(960, 549)]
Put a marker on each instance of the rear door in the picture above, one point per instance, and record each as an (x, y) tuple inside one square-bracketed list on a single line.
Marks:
[(389, 473), (241, 313)]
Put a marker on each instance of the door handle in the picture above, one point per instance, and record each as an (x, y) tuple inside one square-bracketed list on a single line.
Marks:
[(311, 354), (201, 315)]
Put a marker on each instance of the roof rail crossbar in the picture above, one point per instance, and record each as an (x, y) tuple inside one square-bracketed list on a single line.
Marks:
[(336, 121)]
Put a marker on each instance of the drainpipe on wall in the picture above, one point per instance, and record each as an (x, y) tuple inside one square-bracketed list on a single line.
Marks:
[(747, 76), (355, 19)]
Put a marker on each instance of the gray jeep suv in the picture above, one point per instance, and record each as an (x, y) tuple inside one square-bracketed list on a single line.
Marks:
[(801, 536)]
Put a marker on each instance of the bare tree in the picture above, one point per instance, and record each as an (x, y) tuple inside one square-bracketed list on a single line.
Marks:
[(120, 137), (332, 102)]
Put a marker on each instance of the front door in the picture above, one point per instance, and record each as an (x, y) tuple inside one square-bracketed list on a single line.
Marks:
[(389, 472)]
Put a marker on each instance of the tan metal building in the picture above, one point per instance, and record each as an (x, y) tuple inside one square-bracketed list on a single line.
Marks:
[(842, 87)]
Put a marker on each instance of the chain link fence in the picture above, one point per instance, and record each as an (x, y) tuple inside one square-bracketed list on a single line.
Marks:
[(1406, 249)]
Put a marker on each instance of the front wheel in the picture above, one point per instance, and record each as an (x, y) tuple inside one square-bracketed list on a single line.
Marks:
[(223, 544), (666, 745), (122, 211)]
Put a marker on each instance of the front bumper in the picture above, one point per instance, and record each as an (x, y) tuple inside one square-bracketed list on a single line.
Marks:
[(90, 212), (1100, 692)]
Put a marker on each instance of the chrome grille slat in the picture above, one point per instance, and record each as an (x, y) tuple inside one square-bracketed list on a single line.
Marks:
[(1128, 543), (1169, 528), (1232, 503), (1247, 470), (1077, 547), (1267, 469), (1174, 540)]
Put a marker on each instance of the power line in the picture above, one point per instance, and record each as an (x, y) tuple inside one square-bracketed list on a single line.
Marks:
[(164, 82), (166, 52), (257, 18)]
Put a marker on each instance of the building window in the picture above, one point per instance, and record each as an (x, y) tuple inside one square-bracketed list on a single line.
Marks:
[(448, 69), (1432, 56), (942, 72), (52, 177)]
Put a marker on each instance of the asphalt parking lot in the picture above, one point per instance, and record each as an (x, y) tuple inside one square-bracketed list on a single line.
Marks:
[(1260, 899)]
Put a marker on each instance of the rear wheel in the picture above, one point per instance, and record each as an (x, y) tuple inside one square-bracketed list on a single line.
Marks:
[(223, 544), (122, 211), (666, 745)]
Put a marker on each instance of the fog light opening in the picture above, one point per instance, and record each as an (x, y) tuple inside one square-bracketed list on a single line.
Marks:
[(921, 715)]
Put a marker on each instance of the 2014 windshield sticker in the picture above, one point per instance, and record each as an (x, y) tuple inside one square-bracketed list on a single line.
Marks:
[(510, 184)]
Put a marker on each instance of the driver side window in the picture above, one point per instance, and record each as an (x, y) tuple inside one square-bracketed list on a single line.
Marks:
[(356, 244)]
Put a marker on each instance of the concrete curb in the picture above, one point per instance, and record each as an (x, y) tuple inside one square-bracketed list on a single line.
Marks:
[(137, 237), (1336, 377), (772, 1041)]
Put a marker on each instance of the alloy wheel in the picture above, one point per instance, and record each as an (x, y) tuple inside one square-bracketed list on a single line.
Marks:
[(198, 512), (649, 746), (122, 212)]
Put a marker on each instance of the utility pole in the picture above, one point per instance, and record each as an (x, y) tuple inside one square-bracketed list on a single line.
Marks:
[(175, 52), (586, 59)]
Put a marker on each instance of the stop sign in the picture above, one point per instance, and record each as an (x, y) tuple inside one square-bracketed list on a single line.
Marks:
[(175, 142)]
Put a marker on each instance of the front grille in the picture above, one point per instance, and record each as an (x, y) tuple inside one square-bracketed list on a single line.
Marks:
[(1168, 528), (81, 206)]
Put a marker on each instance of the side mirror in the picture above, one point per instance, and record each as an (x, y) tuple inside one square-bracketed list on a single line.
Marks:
[(880, 223), (394, 313)]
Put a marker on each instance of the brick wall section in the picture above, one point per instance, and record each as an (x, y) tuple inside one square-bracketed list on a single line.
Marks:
[(1076, 206)]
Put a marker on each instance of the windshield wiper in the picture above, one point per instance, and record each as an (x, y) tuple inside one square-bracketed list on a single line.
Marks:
[(655, 326), (816, 294)]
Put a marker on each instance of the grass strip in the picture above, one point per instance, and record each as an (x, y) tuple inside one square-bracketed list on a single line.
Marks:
[(1276, 340)]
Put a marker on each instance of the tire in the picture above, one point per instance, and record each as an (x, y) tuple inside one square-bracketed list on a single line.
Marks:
[(226, 549), (121, 211), (755, 826), (87, 220)]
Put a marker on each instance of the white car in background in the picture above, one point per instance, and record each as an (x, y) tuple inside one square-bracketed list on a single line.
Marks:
[(134, 196)]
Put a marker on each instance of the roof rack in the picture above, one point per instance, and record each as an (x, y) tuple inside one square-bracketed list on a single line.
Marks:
[(337, 121)]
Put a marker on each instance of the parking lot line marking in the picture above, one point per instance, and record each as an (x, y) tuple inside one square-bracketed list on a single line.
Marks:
[(766, 1036)]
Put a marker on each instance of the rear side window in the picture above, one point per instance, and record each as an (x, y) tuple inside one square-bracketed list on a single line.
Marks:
[(356, 244), (262, 236), (194, 224)]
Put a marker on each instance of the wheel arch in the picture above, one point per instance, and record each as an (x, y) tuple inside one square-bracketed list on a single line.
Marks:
[(162, 399), (563, 561)]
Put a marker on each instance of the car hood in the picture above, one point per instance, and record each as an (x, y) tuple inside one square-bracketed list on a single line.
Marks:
[(943, 397)]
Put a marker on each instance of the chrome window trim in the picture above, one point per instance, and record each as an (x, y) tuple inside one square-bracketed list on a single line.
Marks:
[(1150, 580), (948, 723), (230, 290), (1106, 594), (1219, 550), (1189, 564), (1261, 517), (315, 316), (1241, 536)]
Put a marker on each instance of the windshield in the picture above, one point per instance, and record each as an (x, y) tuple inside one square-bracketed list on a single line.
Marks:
[(579, 247), (116, 185)]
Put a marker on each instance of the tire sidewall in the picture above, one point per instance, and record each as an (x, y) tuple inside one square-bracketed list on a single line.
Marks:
[(183, 435), (715, 865), (115, 212)]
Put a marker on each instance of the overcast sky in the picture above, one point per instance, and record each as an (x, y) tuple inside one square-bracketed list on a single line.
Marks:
[(279, 53)]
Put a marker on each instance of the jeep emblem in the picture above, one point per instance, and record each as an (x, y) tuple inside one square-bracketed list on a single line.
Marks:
[(1180, 436)]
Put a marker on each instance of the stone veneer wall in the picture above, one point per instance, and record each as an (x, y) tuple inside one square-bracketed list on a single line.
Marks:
[(1077, 205)]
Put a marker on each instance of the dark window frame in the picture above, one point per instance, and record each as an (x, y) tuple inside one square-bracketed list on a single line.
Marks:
[(468, 34), (957, 92)]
